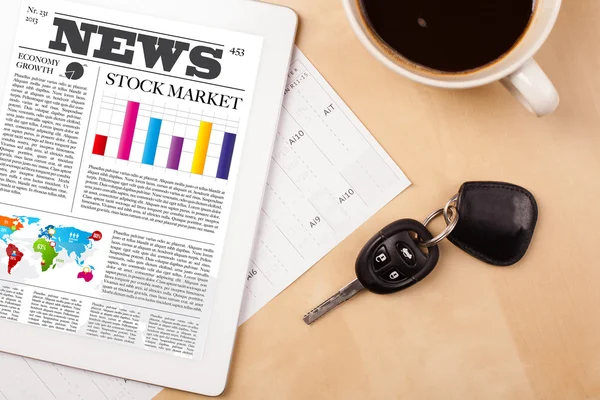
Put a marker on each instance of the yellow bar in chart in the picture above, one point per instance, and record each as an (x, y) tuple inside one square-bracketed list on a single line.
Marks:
[(201, 147)]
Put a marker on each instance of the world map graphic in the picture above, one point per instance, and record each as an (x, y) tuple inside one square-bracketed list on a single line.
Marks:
[(50, 245)]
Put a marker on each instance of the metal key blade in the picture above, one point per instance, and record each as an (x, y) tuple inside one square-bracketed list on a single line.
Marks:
[(345, 293)]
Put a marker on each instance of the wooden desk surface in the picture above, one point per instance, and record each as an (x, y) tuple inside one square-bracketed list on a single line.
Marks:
[(469, 331)]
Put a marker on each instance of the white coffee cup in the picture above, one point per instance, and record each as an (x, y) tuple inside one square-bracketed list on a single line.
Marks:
[(517, 70)]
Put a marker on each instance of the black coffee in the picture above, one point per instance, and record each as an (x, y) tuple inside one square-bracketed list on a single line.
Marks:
[(449, 35)]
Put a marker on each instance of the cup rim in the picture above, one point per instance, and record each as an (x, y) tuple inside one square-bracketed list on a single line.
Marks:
[(357, 27)]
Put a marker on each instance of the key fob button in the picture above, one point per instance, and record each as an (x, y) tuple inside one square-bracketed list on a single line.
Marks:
[(382, 258), (407, 254), (392, 275)]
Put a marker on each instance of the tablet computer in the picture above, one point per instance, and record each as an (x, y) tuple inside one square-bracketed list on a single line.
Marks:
[(135, 141)]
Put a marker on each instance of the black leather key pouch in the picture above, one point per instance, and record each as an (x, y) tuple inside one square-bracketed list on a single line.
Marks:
[(496, 221)]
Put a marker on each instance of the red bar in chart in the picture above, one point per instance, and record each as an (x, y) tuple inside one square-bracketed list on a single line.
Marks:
[(99, 145), (131, 114)]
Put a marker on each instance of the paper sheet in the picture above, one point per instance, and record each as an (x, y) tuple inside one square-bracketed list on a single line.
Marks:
[(23, 378), (328, 176)]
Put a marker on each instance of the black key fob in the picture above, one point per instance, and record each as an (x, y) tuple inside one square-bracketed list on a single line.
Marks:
[(392, 260), (496, 223)]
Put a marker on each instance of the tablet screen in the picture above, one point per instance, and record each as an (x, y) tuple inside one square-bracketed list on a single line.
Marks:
[(120, 142)]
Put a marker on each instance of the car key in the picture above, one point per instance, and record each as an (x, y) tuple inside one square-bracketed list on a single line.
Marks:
[(392, 260)]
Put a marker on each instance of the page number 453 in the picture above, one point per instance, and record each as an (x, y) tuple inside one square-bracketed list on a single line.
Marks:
[(236, 51)]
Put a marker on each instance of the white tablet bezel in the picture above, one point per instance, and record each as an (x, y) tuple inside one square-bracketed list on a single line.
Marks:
[(277, 26)]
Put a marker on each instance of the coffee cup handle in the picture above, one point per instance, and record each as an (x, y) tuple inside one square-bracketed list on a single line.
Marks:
[(532, 88)]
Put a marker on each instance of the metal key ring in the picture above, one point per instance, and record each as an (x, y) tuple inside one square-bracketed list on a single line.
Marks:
[(453, 201), (449, 227)]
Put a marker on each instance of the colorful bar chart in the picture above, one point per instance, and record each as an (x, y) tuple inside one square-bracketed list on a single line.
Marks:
[(226, 156), (175, 152), (99, 145), (151, 141), (126, 142), (165, 137), (201, 149)]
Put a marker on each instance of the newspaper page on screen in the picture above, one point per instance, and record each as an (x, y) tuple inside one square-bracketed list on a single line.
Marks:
[(120, 142)]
